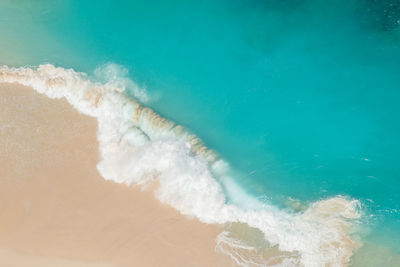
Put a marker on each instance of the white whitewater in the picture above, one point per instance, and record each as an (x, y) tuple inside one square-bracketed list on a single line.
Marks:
[(137, 146)]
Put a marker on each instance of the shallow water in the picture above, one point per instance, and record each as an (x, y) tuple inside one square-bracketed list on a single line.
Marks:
[(300, 98)]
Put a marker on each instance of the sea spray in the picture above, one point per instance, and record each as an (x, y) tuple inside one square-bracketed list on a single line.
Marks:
[(137, 145)]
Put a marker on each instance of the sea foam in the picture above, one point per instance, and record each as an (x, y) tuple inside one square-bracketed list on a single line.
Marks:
[(137, 146)]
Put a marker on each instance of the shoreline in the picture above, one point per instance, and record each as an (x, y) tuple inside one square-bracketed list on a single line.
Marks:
[(138, 146), (56, 207)]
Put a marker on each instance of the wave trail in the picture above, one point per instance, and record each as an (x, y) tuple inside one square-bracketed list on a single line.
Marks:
[(137, 145)]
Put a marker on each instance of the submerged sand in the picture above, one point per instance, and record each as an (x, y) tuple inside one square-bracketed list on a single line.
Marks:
[(56, 210)]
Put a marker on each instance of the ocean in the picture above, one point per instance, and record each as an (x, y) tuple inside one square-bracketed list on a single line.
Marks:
[(295, 103)]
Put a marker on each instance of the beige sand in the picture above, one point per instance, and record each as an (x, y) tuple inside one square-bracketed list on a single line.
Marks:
[(56, 210)]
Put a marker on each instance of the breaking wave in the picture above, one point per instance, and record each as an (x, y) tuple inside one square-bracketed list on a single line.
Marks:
[(138, 146)]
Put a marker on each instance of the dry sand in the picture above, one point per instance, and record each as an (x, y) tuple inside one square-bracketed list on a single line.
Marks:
[(56, 210)]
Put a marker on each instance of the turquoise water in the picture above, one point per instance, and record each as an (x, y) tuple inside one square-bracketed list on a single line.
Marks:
[(300, 97)]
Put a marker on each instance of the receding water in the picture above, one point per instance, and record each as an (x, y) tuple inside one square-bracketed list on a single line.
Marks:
[(301, 97)]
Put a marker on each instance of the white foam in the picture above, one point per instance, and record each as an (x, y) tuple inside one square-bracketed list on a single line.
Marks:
[(117, 77), (137, 146)]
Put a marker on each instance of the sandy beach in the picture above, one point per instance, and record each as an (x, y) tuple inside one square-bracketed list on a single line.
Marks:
[(56, 210)]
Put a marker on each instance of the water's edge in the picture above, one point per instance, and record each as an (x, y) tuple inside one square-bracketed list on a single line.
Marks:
[(137, 145)]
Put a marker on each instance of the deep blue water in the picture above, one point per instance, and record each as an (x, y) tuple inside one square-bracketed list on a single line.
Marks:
[(301, 97)]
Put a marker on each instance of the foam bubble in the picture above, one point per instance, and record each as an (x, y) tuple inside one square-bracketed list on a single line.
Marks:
[(137, 146)]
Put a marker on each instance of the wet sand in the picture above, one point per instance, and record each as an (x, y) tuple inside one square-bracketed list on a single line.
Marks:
[(56, 210)]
